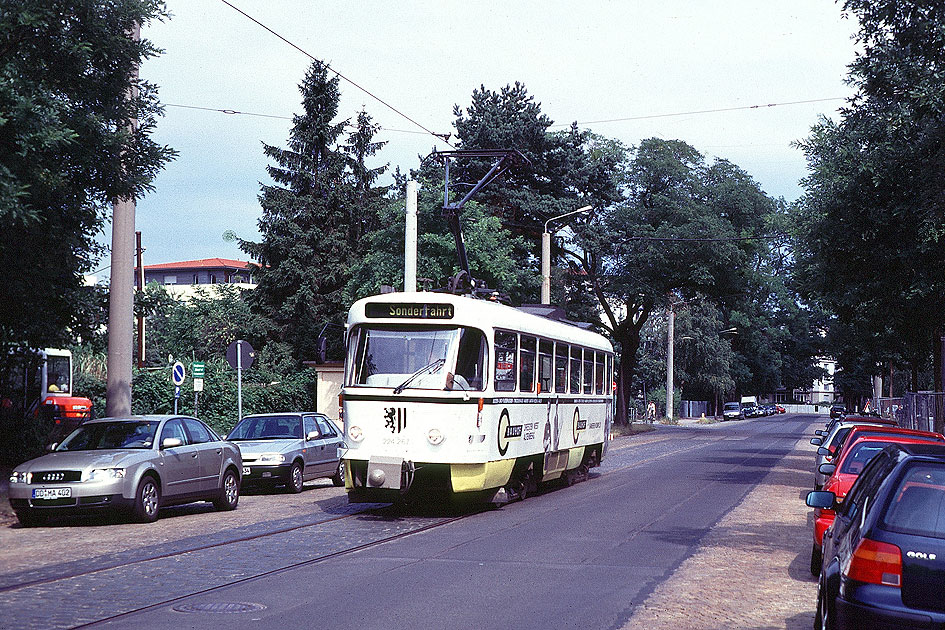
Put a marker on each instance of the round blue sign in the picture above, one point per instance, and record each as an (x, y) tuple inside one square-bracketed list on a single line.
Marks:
[(177, 374)]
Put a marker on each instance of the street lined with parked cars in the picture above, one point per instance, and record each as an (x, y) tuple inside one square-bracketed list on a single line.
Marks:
[(879, 527), (135, 464), (139, 464), (703, 470)]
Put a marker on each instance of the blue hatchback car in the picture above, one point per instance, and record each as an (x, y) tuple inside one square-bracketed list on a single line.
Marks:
[(884, 556)]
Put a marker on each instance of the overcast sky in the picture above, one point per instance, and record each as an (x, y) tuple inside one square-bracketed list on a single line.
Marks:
[(637, 60)]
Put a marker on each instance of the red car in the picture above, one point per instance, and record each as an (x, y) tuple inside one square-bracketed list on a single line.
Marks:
[(860, 446)]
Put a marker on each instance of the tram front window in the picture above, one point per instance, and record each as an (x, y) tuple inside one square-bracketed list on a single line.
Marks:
[(416, 358)]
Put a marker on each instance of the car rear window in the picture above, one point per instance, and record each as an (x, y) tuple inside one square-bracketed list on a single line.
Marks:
[(860, 456), (918, 505)]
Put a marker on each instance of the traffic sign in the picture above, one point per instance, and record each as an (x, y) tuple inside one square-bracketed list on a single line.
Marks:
[(240, 355), (198, 384), (178, 373), (198, 368), (176, 393)]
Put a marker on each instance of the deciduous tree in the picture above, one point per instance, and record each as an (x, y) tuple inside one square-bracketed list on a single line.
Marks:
[(66, 71)]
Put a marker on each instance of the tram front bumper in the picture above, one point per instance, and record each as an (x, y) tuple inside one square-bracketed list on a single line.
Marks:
[(389, 473)]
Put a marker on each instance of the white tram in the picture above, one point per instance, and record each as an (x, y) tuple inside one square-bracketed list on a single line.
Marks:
[(457, 395)]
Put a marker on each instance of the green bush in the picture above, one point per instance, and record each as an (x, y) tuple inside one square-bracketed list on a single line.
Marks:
[(263, 392)]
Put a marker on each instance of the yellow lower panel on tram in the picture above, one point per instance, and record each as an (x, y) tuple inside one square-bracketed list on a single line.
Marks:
[(471, 477), (349, 479), (557, 462), (575, 457)]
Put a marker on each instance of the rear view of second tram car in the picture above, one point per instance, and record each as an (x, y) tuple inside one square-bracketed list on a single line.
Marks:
[(453, 395)]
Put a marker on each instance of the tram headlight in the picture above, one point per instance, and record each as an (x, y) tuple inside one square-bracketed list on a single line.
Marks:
[(435, 436), (355, 433)]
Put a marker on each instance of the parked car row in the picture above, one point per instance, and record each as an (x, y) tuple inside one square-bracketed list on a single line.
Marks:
[(739, 411), (139, 464), (879, 527)]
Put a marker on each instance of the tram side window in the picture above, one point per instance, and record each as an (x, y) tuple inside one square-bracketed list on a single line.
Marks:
[(599, 373), (575, 370), (526, 373), (471, 360), (505, 351), (545, 365), (561, 368), (588, 372)]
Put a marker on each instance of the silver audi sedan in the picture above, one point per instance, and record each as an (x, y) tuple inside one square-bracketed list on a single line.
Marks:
[(288, 449), (138, 463)]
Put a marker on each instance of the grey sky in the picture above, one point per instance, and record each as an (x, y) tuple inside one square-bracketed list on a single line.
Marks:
[(583, 62)]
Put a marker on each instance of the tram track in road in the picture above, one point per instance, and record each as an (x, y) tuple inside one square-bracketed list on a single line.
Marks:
[(171, 554), (197, 570), (289, 567), (141, 584)]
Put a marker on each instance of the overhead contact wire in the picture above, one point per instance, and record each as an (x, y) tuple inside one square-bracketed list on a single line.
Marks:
[(441, 137)]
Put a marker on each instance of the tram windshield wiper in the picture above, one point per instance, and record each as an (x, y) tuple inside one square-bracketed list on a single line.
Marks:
[(429, 367)]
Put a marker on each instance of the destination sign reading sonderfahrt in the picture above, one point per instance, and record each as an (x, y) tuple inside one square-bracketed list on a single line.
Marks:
[(409, 311)]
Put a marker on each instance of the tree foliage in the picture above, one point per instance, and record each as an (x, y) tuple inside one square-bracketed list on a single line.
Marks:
[(66, 152), (314, 217), (871, 225), (687, 231)]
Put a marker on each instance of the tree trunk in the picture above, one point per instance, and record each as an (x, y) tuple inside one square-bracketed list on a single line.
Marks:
[(627, 337)]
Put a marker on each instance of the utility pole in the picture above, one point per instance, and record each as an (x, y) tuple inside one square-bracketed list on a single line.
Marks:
[(121, 292), (140, 288), (669, 361), (410, 240), (546, 254)]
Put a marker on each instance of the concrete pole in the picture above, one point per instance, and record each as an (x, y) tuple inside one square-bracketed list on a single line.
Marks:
[(546, 254), (121, 297), (410, 240), (669, 362), (239, 381), (140, 280), (545, 267)]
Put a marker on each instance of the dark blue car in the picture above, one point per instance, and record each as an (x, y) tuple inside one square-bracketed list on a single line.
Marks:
[(884, 556)]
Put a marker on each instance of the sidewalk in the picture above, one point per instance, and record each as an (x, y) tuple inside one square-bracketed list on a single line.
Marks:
[(751, 571)]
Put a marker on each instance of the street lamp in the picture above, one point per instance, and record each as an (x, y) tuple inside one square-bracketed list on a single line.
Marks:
[(546, 255)]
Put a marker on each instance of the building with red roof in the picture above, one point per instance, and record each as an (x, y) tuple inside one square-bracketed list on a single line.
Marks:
[(182, 278)]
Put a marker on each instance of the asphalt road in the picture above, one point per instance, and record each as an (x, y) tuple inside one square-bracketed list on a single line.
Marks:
[(577, 557)]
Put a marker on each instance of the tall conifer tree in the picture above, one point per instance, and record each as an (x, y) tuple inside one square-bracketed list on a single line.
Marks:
[(305, 254)]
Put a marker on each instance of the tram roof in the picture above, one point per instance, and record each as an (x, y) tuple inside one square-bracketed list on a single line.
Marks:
[(470, 311)]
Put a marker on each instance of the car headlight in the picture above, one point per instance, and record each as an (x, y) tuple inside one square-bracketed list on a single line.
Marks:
[(435, 436), (355, 433), (106, 474), (271, 458), (19, 476)]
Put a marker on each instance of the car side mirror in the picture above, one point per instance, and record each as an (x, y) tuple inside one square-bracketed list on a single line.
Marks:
[(821, 499), (171, 443), (312, 435), (827, 469), (823, 451), (816, 441), (52, 447)]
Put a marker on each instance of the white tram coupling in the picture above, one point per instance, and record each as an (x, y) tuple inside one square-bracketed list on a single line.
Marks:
[(457, 396)]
